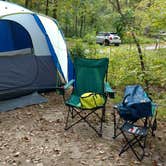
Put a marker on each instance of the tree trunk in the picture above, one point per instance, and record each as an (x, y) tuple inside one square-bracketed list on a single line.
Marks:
[(46, 11), (55, 9), (30, 4), (81, 25), (76, 25), (118, 7), (116, 4), (141, 60), (84, 24), (26, 3), (38, 6), (66, 26)]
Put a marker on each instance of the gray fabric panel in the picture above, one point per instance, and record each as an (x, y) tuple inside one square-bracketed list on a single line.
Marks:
[(47, 72), (29, 74), (25, 51), (17, 71), (21, 102), (27, 71)]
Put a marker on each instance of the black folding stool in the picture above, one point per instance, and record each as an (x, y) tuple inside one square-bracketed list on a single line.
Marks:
[(139, 135)]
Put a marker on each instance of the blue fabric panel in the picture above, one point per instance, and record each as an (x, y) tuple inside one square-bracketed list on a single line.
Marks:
[(53, 54), (6, 40), (13, 36), (21, 37), (70, 68), (136, 104), (135, 94)]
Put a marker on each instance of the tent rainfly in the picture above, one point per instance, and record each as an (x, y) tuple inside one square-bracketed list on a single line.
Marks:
[(33, 52)]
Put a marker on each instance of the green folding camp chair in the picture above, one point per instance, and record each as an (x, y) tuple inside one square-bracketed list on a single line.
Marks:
[(90, 78)]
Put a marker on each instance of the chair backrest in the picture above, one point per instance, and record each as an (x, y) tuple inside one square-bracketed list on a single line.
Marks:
[(136, 103), (90, 75), (135, 94)]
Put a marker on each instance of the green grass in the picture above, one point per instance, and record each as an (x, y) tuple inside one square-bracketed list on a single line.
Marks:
[(124, 69)]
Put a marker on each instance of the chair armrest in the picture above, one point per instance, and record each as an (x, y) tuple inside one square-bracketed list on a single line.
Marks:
[(63, 88), (67, 85), (109, 90)]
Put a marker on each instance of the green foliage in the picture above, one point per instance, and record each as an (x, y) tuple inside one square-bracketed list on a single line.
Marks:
[(156, 67), (152, 15), (82, 18), (77, 49), (79, 18), (124, 69), (90, 38), (142, 39), (145, 40)]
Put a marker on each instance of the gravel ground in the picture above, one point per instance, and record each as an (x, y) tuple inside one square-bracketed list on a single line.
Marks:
[(35, 136)]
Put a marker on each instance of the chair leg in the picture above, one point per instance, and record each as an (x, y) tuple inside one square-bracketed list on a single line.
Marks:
[(114, 116), (100, 133), (67, 118), (72, 110), (103, 114)]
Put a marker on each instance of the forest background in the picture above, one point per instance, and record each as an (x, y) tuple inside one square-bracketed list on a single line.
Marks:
[(140, 59)]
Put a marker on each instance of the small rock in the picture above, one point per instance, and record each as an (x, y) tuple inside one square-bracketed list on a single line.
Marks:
[(26, 139), (41, 106), (37, 161), (84, 163), (101, 152), (16, 154), (136, 162), (57, 151), (28, 161), (104, 158)]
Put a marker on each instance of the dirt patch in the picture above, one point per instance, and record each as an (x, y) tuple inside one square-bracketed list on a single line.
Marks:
[(35, 136)]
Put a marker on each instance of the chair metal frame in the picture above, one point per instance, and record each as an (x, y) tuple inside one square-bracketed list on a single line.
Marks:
[(74, 112), (135, 140)]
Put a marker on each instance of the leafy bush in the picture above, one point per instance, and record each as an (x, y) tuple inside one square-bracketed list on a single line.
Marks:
[(77, 50), (90, 38), (156, 67), (127, 39), (145, 40), (124, 68)]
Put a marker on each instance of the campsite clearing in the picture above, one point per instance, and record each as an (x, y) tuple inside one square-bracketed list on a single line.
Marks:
[(35, 136)]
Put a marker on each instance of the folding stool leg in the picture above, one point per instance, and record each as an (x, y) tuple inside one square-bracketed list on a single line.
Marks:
[(131, 143)]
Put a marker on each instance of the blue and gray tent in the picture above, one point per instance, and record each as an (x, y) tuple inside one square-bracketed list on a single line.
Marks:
[(33, 52)]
